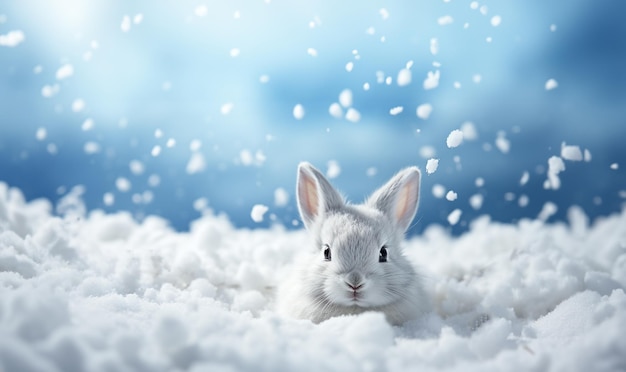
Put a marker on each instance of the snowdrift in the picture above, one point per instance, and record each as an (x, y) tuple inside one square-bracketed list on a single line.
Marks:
[(102, 292)]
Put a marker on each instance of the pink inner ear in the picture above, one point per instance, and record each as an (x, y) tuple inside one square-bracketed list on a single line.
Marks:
[(309, 196), (404, 199)]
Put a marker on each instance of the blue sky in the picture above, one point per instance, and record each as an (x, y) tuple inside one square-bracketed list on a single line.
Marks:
[(223, 78)]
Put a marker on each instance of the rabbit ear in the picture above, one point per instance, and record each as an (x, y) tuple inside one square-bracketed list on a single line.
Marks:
[(399, 197), (316, 196)]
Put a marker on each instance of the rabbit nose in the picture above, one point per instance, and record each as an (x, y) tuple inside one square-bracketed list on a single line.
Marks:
[(354, 280), (353, 287)]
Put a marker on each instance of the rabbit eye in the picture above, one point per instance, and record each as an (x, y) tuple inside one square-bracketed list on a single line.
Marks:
[(382, 256), (327, 256)]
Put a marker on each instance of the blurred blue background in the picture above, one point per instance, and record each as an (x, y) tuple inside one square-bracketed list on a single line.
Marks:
[(173, 108)]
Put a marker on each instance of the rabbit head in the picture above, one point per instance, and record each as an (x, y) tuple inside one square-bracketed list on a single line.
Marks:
[(356, 263)]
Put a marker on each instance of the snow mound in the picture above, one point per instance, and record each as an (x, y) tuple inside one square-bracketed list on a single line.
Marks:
[(105, 292)]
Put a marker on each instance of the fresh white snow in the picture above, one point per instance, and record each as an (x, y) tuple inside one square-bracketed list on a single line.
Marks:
[(455, 138), (281, 197), (404, 77), (431, 165), (12, 38), (555, 166), (432, 80), (454, 216), (335, 110), (551, 84), (396, 110), (258, 212), (353, 115), (569, 152), (496, 21), (334, 169), (445, 20), (345, 98), (439, 191), (104, 292), (424, 110), (298, 111), (65, 71), (451, 195)]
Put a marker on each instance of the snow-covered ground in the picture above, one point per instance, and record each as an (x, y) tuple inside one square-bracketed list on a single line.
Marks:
[(104, 292)]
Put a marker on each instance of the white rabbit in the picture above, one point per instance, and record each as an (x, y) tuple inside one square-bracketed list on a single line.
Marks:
[(355, 262)]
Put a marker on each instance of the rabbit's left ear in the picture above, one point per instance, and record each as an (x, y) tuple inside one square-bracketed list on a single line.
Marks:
[(316, 196), (399, 197)]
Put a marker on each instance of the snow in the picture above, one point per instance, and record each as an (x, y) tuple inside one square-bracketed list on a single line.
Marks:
[(196, 163), (64, 72), (201, 10), (41, 134), (396, 110), (451, 195), (524, 179), (156, 151), (345, 98), (548, 209), (91, 147), (434, 46), (454, 216), (88, 124), (334, 169), (445, 20), (105, 292), (469, 131), (551, 84), (496, 21), (50, 90), (476, 201), (523, 201), (227, 108), (298, 111), (123, 184), (427, 151), (335, 110), (258, 211), (431, 165), (12, 38), (125, 25), (384, 13), (432, 80), (614, 166), (281, 197), (502, 143), (424, 110), (439, 191), (455, 138), (572, 153), (108, 199), (78, 105), (404, 77), (353, 115), (555, 166)]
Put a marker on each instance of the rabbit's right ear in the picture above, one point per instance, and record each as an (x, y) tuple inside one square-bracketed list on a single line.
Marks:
[(316, 196)]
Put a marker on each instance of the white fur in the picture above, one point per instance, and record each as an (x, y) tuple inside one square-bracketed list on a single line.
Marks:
[(319, 289)]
